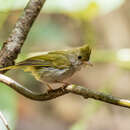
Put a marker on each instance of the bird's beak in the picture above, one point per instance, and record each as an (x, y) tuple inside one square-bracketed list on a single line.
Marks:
[(88, 63)]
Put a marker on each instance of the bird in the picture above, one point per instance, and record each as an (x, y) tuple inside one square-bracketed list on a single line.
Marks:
[(55, 66)]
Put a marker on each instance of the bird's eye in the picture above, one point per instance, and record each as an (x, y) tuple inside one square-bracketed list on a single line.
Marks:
[(79, 57)]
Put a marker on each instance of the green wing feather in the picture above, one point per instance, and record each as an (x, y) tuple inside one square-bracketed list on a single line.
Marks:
[(52, 59)]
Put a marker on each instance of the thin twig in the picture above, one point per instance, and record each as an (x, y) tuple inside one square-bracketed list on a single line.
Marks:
[(4, 121), (87, 93), (75, 89), (13, 45)]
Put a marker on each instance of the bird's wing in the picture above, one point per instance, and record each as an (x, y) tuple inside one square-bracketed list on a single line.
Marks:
[(52, 59)]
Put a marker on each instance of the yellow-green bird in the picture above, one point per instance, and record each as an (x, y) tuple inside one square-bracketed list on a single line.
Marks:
[(55, 66)]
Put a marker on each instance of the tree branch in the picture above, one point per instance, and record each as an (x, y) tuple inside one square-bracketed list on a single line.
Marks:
[(4, 121), (75, 89), (28, 93), (87, 93), (12, 46)]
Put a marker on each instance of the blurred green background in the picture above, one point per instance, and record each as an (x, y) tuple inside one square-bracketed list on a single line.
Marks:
[(62, 24)]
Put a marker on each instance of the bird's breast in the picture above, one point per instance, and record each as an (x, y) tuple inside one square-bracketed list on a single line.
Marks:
[(53, 75)]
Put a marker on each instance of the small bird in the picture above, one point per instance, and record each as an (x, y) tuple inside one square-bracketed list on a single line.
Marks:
[(55, 66)]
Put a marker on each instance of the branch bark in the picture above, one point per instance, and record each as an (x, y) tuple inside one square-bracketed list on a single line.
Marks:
[(75, 89), (87, 93), (28, 93), (13, 45)]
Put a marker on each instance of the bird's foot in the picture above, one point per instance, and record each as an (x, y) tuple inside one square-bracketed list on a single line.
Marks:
[(49, 88), (64, 84)]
